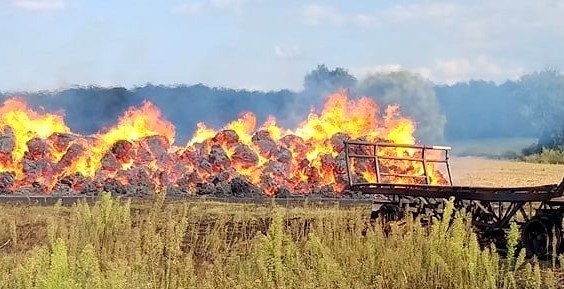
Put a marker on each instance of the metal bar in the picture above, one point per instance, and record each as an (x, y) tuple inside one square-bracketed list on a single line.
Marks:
[(448, 167), (447, 192), (479, 204), (376, 163), (395, 158), (410, 159), (402, 175), (347, 163), (425, 166), (384, 144), (546, 189), (510, 213), (361, 156), (524, 214)]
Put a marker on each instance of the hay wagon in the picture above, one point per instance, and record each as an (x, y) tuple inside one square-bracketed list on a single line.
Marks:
[(538, 210)]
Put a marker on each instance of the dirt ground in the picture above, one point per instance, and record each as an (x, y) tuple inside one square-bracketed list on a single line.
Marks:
[(476, 171)]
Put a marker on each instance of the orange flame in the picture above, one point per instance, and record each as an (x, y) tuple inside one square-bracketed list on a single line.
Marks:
[(137, 150)]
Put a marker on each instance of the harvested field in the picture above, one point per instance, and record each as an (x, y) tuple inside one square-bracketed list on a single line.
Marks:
[(208, 245), (473, 171)]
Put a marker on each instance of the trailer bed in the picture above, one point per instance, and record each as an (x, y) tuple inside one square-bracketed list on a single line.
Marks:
[(542, 193)]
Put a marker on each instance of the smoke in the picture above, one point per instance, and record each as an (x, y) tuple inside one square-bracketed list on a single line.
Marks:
[(87, 110), (459, 112), (415, 97)]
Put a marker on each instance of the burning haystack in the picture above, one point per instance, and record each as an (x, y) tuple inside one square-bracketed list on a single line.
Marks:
[(40, 155)]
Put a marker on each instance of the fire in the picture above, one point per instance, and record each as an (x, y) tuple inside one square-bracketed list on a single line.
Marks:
[(137, 154)]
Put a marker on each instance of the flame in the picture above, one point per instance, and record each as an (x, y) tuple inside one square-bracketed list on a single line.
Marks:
[(38, 147)]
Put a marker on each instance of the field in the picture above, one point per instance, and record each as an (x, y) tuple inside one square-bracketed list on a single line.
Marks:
[(505, 173), (157, 244)]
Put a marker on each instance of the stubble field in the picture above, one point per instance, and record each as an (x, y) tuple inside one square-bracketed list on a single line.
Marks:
[(475, 171), (158, 244)]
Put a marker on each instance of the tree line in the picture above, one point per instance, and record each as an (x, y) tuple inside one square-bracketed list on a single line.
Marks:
[(531, 106)]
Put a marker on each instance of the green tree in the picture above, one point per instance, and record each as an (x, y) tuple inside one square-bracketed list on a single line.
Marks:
[(415, 96), (322, 80), (544, 92)]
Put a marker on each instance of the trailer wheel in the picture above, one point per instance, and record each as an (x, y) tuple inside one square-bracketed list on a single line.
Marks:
[(540, 236), (390, 213)]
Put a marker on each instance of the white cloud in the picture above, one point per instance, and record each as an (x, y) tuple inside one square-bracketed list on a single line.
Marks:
[(450, 71), (205, 6), (289, 53), (361, 72), (318, 14), (471, 17), (38, 5)]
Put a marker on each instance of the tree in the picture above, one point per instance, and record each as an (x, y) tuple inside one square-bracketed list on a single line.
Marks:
[(415, 96), (544, 93), (323, 81)]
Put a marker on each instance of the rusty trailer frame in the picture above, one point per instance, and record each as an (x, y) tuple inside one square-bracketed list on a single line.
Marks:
[(538, 210)]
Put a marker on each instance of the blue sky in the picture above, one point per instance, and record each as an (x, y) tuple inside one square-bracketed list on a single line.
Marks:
[(262, 44)]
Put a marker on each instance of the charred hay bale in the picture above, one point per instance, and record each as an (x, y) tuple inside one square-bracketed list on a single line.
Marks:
[(123, 150), (205, 189), (241, 187), (30, 189), (7, 141), (244, 157), (7, 180), (275, 169), (37, 148), (337, 141), (158, 145), (139, 182), (219, 159), (223, 176), (60, 142), (114, 187), (266, 145), (63, 186), (284, 192), (185, 184), (33, 169), (194, 178), (144, 156), (284, 155), (303, 163), (222, 189), (295, 144), (110, 162), (327, 162), (174, 191), (323, 191), (7, 145), (313, 175), (188, 155), (226, 137), (92, 187), (73, 153)]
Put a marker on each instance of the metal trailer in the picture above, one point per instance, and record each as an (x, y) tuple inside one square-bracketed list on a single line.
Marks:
[(538, 210)]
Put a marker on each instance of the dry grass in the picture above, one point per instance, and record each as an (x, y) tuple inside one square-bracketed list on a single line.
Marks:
[(487, 172), (115, 244)]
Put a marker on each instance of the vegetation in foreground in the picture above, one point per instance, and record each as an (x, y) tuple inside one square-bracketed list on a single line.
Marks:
[(115, 244)]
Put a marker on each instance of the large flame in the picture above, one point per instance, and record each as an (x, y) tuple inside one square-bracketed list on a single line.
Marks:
[(39, 149)]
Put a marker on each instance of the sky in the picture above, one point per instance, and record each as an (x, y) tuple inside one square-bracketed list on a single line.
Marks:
[(271, 45)]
